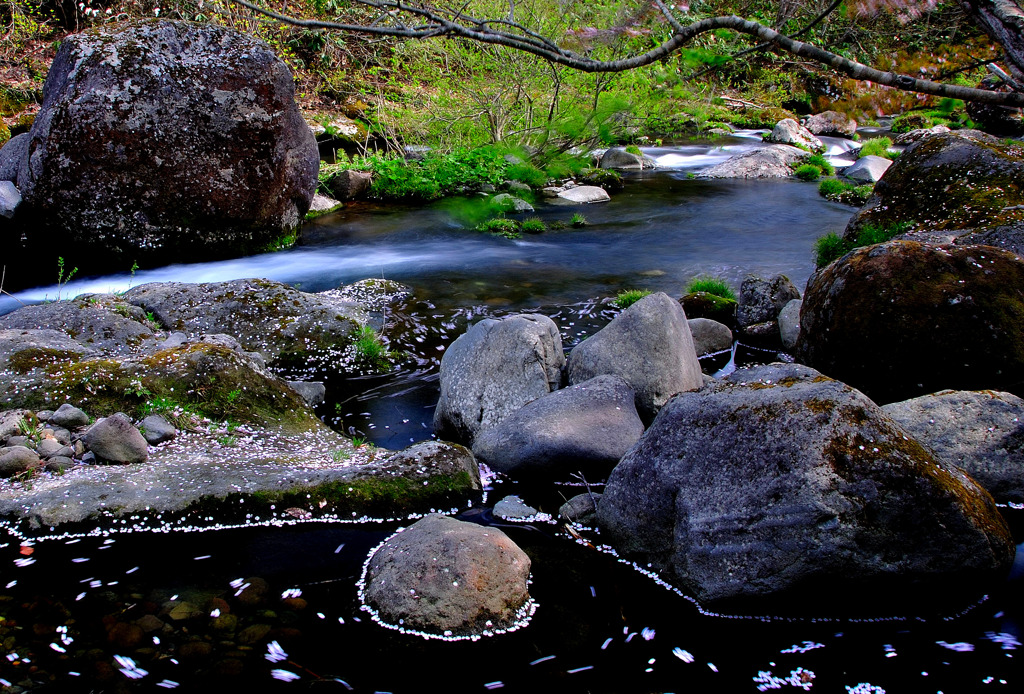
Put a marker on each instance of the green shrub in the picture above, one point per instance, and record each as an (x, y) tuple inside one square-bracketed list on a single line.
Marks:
[(832, 188), (871, 234), (371, 350), (633, 149), (605, 178), (628, 297), (528, 174), (509, 228), (844, 192), (578, 220), (711, 285), (534, 225), (822, 163), (878, 147), (807, 172), (830, 247)]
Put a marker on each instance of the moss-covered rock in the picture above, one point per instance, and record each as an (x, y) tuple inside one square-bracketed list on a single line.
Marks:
[(706, 305), (903, 319), (952, 182), (778, 489), (101, 322)]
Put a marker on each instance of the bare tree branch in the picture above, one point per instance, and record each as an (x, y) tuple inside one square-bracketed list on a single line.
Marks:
[(439, 22)]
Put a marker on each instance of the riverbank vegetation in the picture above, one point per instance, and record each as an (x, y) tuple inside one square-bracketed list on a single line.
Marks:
[(454, 95)]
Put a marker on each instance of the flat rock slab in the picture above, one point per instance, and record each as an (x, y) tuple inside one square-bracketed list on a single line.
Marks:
[(101, 322), (22, 349), (867, 169), (775, 161), (227, 476)]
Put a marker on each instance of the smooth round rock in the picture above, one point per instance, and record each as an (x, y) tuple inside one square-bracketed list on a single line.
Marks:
[(115, 439), (442, 575)]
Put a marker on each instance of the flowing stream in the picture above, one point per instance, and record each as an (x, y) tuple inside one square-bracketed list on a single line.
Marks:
[(81, 609)]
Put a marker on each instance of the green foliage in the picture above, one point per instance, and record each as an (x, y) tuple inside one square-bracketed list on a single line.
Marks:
[(628, 297), (509, 228), (438, 175), (822, 163), (605, 178), (578, 220), (711, 285), (878, 147), (62, 278), (831, 246), (534, 225), (633, 149), (845, 192), (371, 351), (807, 172), (526, 173)]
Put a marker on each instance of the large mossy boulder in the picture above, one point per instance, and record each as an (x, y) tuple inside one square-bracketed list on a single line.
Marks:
[(649, 346), (979, 431), (903, 319), (492, 370), (165, 142), (584, 428), (951, 182), (780, 490), (773, 161), (441, 576)]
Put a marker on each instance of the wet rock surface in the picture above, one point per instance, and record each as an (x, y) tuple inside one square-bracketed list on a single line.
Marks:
[(781, 485), (441, 576), (774, 161)]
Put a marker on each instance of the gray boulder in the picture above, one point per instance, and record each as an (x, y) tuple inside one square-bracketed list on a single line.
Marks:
[(582, 508), (156, 430), (443, 576), (580, 195), (514, 508), (321, 205), (619, 158), (10, 199), (313, 392), (709, 335), (99, 322), (649, 346), (47, 448), (831, 123), (115, 439), (17, 459), (980, 431), (280, 322), (789, 323), (780, 489), (788, 132), (69, 417), (21, 350), (511, 202), (12, 421), (867, 169), (761, 299), (350, 185), (492, 370), (912, 136), (585, 428), (776, 161), (166, 141), (11, 156)]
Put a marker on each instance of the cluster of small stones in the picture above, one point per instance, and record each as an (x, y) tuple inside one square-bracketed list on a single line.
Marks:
[(56, 441)]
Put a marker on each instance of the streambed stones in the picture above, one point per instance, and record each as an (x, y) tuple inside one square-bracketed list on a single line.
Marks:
[(441, 576), (780, 489)]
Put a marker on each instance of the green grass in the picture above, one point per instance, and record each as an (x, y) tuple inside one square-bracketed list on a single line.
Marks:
[(844, 192), (527, 173), (711, 285), (822, 163), (578, 220), (878, 147), (628, 297), (633, 149), (509, 228), (831, 246), (371, 350), (534, 225), (807, 172)]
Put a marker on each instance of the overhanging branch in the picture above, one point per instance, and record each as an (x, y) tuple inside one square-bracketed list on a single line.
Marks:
[(439, 22)]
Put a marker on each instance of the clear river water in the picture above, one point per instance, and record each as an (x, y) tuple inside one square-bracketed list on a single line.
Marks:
[(273, 606)]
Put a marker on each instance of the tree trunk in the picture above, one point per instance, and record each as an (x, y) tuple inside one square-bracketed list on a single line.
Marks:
[(1003, 20)]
